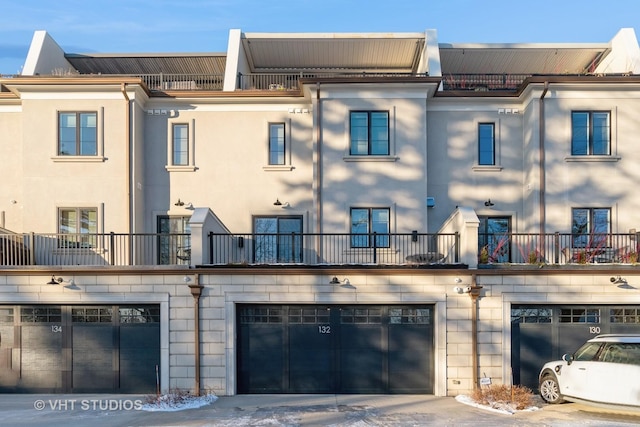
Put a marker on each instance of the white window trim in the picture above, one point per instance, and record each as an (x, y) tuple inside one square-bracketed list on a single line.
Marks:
[(99, 157), (190, 166)]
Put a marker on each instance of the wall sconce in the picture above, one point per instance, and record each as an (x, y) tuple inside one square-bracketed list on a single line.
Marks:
[(54, 280), (277, 203), (618, 280), (488, 203), (179, 203), (336, 281), (186, 279), (189, 206)]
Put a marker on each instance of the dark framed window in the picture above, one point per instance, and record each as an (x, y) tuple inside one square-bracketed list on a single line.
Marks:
[(493, 238), (174, 240), (77, 134), (369, 133), (277, 144), (180, 145), (365, 222), (486, 144), (277, 239), (79, 225), (590, 133), (590, 227)]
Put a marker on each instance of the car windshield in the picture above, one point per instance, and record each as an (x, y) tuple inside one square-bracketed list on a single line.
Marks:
[(587, 351)]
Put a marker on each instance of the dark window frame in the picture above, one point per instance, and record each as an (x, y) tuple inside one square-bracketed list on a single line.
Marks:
[(486, 147), (371, 139), (587, 144), (277, 144), (79, 142), (363, 239)]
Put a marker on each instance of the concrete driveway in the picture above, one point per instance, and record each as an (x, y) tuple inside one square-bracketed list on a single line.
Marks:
[(291, 410)]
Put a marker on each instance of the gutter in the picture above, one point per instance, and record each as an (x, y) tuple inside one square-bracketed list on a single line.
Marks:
[(541, 155), (127, 128), (319, 171)]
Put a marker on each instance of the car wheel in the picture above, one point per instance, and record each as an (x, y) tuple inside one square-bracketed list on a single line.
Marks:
[(550, 389)]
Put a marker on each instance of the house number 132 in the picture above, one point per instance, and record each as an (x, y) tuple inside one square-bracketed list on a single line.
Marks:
[(324, 329)]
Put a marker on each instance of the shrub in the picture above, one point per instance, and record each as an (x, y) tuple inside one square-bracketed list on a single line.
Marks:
[(518, 397)]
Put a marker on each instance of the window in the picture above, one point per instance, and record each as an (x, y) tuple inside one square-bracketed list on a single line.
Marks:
[(590, 133), (589, 227), (277, 239), (80, 226), (493, 239), (180, 144), (77, 134), (174, 241), (276, 144), (369, 133), (486, 144), (365, 222)]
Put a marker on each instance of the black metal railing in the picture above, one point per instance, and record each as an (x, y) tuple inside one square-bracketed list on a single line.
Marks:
[(95, 249), (483, 82), (333, 248), (558, 248), (291, 81)]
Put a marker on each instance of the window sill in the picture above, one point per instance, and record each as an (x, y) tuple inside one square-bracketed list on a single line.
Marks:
[(588, 158), (277, 168), (186, 168), (78, 159), (371, 158), (487, 168)]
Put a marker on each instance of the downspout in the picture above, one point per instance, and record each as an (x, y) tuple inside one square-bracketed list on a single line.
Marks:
[(318, 231), (196, 292), (127, 127), (542, 172), (474, 293)]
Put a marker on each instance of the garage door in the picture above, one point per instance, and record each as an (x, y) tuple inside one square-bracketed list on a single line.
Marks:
[(540, 333), (335, 349), (63, 349)]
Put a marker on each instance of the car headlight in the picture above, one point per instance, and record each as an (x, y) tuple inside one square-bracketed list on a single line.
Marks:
[(558, 368)]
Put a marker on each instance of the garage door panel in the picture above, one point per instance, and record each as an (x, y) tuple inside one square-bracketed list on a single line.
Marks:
[(92, 365), (137, 363), (339, 349)]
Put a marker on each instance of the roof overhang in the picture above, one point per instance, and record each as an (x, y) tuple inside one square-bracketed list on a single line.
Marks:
[(334, 52), (149, 63), (550, 59)]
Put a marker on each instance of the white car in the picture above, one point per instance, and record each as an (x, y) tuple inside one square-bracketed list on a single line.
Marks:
[(605, 370)]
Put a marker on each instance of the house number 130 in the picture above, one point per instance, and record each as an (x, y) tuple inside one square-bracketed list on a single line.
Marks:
[(324, 329)]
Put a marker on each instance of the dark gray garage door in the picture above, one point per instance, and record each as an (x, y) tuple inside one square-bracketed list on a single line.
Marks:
[(335, 349), (541, 333), (53, 348)]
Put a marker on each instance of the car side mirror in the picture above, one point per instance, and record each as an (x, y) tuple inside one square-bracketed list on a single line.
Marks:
[(567, 358)]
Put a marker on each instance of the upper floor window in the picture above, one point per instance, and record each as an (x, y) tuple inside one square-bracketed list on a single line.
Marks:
[(589, 227), (77, 134), (365, 222), (369, 133), (590, 133), (80, 224), (180, 146), (486, 144), (276, 144)]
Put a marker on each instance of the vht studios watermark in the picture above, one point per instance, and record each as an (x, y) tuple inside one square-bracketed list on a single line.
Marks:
[(88, 405)]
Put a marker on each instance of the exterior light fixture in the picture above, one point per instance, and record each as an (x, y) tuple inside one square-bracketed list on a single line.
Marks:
[(54, 280), (334, 281), (179, 203), (488, 203), (277, 203)]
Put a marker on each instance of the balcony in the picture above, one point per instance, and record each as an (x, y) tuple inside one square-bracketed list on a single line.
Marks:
[(558, 248), (113, 249)]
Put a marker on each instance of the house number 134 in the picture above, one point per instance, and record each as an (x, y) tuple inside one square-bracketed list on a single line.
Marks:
[(324, 329)]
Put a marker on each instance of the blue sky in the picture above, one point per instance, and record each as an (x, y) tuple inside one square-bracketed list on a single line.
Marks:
[(129, 26)]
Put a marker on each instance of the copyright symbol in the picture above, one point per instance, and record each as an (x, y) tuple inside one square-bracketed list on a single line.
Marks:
[(39, 405)]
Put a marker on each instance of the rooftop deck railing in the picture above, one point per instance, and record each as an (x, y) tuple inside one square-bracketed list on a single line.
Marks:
[(334, 249), (483, 82), (558, 248), (291, 81), (94, 249)]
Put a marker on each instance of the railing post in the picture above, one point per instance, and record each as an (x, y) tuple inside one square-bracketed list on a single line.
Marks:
[(112, 251), (210, 236), (556, 247), (375, 248), (32, 252)]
